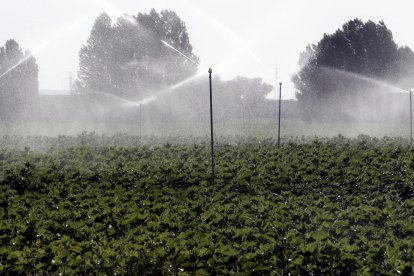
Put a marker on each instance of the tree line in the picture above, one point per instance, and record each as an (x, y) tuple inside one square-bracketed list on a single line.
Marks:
[(358, 63), (131, 58)]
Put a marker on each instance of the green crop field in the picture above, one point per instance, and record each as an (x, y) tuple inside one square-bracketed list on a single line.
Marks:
[(129, 205)]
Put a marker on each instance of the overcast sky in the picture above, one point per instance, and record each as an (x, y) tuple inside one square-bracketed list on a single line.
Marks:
[(234, 37)]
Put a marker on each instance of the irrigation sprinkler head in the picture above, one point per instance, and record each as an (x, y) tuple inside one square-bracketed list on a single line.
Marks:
[(280, 83), (211, 127)]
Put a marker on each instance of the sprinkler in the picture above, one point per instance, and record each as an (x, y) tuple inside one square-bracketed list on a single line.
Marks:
[(210, 71), (411, 117), (280, 108)]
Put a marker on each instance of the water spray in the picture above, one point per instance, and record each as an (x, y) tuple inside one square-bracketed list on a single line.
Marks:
[(280, 109), (175, 50), (231, 33), (364, 78), (211, 127), (59, 34), (177, 85), (113, 97)]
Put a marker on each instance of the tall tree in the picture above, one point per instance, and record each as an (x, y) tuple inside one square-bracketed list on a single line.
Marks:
[(18, 82), (129, 58), (170, 28), (404, 69), (95, 57), (326, 75)]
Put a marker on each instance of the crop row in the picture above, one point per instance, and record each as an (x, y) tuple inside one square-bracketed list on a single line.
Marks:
[(334, 207)]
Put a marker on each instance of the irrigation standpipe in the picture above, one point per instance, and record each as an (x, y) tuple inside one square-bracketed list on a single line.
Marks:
[(280, 108), (411, 117), (211, 127)]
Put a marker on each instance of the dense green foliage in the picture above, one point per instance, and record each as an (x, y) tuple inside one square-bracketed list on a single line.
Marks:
[(334, 207), (129, 59), (329, 82)]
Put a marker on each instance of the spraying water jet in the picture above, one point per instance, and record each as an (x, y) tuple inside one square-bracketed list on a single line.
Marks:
[(59, 34), (229, 31), (175, 50), (114, 97), (394, 88), (170, 89)]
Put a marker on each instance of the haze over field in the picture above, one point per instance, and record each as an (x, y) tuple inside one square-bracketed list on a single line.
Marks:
[(348, 67), (250, 39)]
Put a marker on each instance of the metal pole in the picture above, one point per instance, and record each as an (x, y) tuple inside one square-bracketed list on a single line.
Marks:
[(411, 118), (211, 127), (140, 120), (280, 108)]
